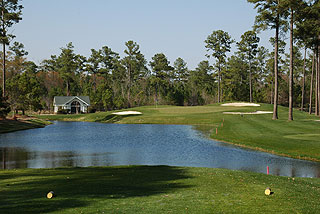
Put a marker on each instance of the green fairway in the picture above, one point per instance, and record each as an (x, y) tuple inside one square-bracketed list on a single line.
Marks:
[(166, 189), (297, 139), (154, 189)]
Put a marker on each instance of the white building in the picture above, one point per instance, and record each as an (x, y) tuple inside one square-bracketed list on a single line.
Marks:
[(73, 104)]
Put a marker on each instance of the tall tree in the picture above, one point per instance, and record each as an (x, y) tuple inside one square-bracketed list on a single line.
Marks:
[(4, 107), (135, 66), (292, 7), (162, 70), (10, 14), (109, 61), (270, 16), (93, 65), (309, 31), (67, 65), (180, 70), (237, 78), (219, 43), (311, 82), (249, 47)]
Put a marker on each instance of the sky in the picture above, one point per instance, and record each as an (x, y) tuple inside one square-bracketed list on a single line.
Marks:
[(177, 28)]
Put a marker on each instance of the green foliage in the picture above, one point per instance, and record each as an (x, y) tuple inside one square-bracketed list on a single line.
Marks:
[(271, 15), (114, 82), (180, 72), (63, 111), (25, 91), (135, 66), (219, 43), (201, 84), (307, 24), (11, 15), (162, 75), (4, 106), (18, 49), (236, 79), (69, 66), (248, 45)]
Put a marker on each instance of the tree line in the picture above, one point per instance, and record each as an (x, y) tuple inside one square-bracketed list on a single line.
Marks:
[(251, 73)]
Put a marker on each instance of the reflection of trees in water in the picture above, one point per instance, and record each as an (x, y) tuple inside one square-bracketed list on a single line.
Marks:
[(13, 158), (293, 172)]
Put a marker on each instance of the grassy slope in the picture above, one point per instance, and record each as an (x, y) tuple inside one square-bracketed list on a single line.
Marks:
[(299, 138), (154, 189), (13, 125)]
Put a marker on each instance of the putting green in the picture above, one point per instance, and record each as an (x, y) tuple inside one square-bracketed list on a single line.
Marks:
[(303, 136)]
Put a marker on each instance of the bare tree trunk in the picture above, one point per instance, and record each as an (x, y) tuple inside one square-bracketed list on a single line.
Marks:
[(68, 90), (275, 102), (4, 70), (219, 73), (311, 83), (318, 80), (250, 81), (272, 89), (4, 56), (94, 82), (303, 78), (290, 116), (317, 86), (129, 86)]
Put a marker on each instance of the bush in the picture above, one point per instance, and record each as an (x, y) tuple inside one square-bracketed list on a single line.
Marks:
[(63, 111), (92, 110), (4, 107)]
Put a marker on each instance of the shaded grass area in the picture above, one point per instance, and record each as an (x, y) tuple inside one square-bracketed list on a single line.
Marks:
[(298, 139), (154, 189), (16, 125)]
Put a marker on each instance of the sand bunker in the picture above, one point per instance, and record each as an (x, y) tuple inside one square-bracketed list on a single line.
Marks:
[(240, 104), (256, 112), (127, 113)]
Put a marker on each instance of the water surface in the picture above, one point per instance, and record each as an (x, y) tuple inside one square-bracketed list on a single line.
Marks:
[(98, 144)]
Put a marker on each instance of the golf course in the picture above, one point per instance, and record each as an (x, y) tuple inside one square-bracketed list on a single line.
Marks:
[(169, 189)]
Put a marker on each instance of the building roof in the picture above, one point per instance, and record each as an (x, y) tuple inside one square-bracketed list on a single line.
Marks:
[(62, 100)]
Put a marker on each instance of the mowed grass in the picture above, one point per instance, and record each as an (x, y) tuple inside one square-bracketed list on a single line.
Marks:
[(298, 139), (16, 125), (154, 189)]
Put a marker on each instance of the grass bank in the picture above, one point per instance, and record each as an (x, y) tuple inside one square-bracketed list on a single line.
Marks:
[(298, 139), (154, 189), (21, 124)]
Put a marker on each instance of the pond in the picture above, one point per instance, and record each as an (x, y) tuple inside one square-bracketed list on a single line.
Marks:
[(98, 144)]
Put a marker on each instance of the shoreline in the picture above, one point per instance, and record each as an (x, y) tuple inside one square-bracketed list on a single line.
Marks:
[(268, 151), (10, 125), (294, 139), (208, 134)]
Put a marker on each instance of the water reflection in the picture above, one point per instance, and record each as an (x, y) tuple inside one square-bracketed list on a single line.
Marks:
[(96, 144), (13, 158)]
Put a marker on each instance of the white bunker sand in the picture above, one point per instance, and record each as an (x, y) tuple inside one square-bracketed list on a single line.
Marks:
[(240, 104), (245, 105), (256, 112), (127, 113)]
